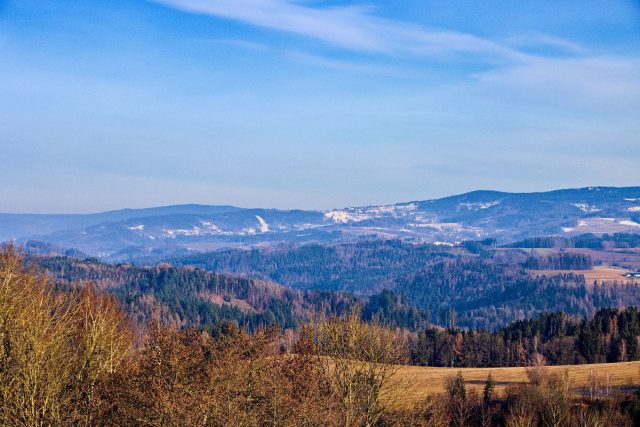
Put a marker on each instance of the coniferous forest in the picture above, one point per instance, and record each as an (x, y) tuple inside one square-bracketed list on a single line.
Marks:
[(188, 297), (482, 288)]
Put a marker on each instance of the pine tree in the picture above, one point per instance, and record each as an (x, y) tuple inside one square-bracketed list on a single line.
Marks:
[(489, 386)]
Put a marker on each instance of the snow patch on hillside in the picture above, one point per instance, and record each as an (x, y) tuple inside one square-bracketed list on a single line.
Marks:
[(594, 221), (584, 207), (439, 225), (478, 205), (206, 228), (343, 217), (211, 227), (396, 210), (172, 233), (357, 214), (629, 223), (136, 227), (634, 209), (264, 227)]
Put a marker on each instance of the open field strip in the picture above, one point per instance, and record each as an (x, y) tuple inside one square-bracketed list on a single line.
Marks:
[(414, 383), (599, 273)]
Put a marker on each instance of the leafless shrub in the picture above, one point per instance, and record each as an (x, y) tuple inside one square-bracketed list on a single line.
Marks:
[(588, 416), (360, 360), (537, 369), (556, 401), (523, 407), (600, 385)]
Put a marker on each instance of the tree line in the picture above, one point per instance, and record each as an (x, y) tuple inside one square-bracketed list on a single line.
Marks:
[(611, 335), (587, 241), (559, 261)]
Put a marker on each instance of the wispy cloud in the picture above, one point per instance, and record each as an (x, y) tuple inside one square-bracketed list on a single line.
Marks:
[(242, 44), (540, 40), (347, 27), (337, 64), (531, 64)]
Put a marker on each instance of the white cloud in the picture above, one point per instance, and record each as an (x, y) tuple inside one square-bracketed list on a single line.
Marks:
[(566, 74), (341, 26), (242, 44), (336, 64), (353, 28), (529, 40)]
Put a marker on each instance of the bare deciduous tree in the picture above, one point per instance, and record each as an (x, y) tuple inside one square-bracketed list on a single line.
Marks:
[(55, 346), (360, 359)]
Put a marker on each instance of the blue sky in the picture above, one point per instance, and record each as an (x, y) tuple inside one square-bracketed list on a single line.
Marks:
[(312, 104)]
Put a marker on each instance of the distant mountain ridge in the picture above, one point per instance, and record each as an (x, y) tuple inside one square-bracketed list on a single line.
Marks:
[(129, 233)]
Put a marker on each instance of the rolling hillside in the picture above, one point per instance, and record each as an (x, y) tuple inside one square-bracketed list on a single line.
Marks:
[(174, 230)]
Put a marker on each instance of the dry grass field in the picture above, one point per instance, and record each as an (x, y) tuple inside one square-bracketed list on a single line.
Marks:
[(599, 273), (629, 257), (414, 383)]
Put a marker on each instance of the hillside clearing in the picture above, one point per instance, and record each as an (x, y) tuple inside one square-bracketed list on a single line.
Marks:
[(599, 273), (414, 383)]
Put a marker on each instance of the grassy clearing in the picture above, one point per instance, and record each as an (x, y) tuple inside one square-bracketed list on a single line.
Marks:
[(414, 383), (599, 273)]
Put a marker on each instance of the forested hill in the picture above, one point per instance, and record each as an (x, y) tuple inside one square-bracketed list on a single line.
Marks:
[(472, 285), (460, 292), (484, 286), (191, 297), (360, 267)]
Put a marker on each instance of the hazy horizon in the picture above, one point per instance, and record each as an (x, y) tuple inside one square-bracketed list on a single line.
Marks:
[(309, 104), (418, 199)]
